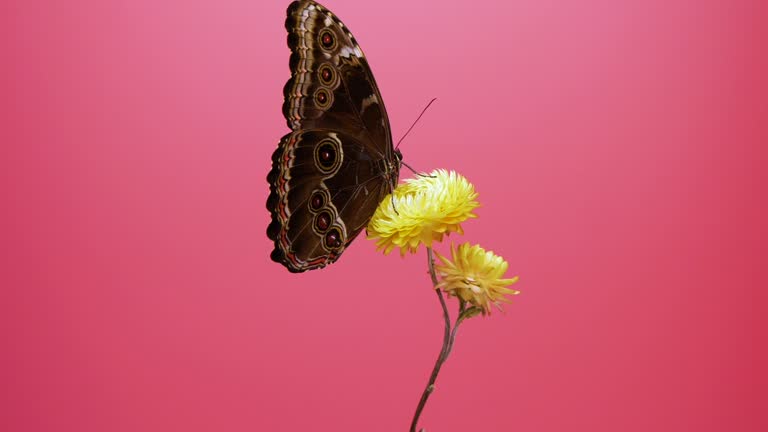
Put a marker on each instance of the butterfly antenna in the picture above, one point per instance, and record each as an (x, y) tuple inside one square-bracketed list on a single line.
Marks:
[(414, 124)]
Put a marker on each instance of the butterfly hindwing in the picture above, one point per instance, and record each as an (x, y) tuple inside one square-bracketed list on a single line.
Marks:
[(323, 190), (329, 174)]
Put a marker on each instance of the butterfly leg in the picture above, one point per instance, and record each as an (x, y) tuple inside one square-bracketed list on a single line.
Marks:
[(420, 174)]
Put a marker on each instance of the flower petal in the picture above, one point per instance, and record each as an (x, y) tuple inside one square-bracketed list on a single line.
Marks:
[(422, 211)]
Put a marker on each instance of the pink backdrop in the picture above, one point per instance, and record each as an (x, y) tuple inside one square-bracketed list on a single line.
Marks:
[(619, 149)]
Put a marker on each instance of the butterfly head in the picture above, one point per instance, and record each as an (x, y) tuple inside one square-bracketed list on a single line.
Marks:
[(398, 165)]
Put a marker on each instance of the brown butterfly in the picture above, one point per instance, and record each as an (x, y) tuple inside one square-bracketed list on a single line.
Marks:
[(337, 163)]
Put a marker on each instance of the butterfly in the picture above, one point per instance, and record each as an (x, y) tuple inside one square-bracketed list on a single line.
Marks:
[(338, 163)]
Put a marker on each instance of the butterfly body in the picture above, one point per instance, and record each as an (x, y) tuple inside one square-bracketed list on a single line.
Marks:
[(336, 165)]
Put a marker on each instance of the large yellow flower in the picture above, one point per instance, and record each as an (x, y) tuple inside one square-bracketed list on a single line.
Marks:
[(422, 211), (475, 276)]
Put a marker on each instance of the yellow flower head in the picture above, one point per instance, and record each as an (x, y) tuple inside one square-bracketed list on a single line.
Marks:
[(422, 211), (475, 276)]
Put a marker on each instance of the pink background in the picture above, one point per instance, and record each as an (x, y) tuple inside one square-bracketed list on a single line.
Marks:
[(619, 149)]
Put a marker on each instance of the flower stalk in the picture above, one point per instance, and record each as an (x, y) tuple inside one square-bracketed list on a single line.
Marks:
[(449, 336)]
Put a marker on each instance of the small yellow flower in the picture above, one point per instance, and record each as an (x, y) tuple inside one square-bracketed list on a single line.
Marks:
[(422, 211), (475, 276)]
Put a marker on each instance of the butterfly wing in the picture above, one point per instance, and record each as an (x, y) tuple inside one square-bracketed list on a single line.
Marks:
[(329, 174)]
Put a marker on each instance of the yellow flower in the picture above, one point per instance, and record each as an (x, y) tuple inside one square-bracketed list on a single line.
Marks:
[(422, 211), (475, 276)]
